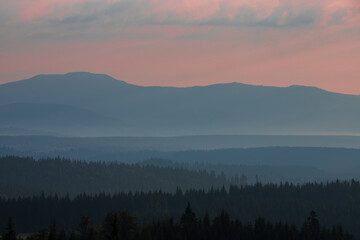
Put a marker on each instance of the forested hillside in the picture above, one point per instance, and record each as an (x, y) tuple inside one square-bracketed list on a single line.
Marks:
[(268, 164), (26, 177)]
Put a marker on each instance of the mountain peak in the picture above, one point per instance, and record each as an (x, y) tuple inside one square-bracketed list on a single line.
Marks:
[(76, 76), (68, 79), (303, 86), (84, 74)]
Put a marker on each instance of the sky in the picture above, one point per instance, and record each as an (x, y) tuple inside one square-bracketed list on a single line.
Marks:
[(185, 42)]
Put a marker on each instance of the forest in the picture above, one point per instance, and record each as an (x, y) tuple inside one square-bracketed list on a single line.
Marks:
[(334, 202), (21, 176), (61, 190), (268, 164), (123, 225)]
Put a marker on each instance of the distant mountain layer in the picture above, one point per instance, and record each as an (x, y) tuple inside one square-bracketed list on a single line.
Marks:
[(43, 144), (55, 117), (85, 104), (336, 162)]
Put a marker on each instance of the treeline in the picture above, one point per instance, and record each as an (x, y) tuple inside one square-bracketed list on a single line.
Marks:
[(270, 164), (124, 226), (26, 177), (249, 174), (335, 202)]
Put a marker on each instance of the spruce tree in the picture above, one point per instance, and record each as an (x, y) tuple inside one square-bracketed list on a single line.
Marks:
[(11, 233), (189, 223), (53, 232)]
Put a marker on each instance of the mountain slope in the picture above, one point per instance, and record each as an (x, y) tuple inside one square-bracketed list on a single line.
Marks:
[(216, 109), (62, 119)]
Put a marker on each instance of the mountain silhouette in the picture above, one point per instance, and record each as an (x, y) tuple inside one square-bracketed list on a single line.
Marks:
[(100, 105)]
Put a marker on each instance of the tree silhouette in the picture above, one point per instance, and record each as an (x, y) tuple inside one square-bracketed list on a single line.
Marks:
[(128, 225), (53, 232), (111, 226), (189, 223), (311, 228), (313, 222), (11, 233), (87, 231)]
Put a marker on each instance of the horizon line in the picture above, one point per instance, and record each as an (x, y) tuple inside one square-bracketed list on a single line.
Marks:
[(174, 86)]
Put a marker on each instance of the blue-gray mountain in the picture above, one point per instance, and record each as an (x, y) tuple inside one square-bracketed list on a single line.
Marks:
[(85, 104)]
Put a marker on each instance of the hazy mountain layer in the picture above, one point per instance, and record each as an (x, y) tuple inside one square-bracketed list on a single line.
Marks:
[(274, 164), (38, 144), (217, 109)]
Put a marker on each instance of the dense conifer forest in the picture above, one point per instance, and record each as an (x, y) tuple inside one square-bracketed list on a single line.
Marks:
[(123, 225), (335, 202), (269, 164), (26, 177), (34, 194)]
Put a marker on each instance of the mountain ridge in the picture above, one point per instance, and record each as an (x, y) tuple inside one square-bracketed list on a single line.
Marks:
[(233, 108), (108, 77)]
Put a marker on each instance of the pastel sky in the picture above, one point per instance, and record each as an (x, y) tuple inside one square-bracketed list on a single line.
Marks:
[(186, 42)]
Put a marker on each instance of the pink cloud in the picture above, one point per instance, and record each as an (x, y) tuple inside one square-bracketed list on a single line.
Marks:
[(205, 9), (198, 10), (195, 10), (185, 54), (189, 9), (31, 9)]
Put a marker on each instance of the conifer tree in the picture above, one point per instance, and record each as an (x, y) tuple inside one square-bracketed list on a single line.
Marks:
[(53, 232), (111, 228), (189, 223), (128, 225), (313, 222), (11, 233), (85, 228)]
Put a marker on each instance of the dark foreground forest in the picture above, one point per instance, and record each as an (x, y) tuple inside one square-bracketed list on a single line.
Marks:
[(336, 203), (36, 193), (123, 225)]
